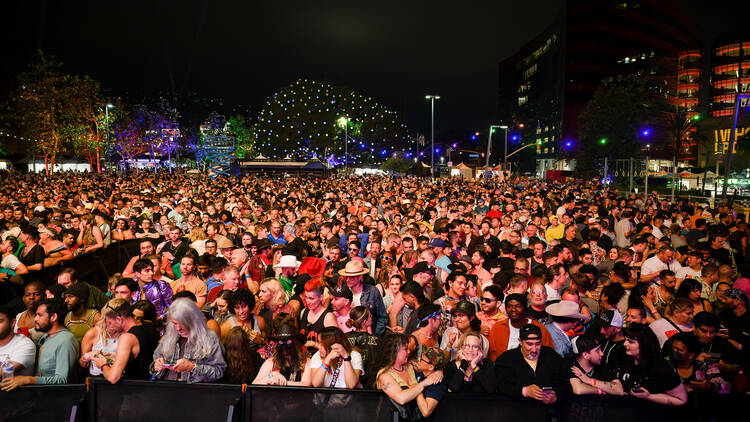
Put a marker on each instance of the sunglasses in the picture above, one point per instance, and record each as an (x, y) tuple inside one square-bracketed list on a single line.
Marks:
[(486, 299)]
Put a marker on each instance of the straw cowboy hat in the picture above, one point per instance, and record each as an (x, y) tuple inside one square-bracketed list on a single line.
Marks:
[(287, 261), (353, 268), (566, 308)]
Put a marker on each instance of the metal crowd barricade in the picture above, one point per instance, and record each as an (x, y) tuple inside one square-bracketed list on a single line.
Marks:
[(145, 401), (49, 403)]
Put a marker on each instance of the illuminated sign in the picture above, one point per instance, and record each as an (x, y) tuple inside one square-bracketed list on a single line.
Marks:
[(722, 138)]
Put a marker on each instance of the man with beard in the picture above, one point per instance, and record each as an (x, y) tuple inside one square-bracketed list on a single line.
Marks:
[(58, 348), (532, 370), (145, 247), (587, 373), (505, 334), (80, 318), (135, 346)]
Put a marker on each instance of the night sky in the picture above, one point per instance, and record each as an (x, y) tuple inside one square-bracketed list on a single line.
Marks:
[(243, 51)]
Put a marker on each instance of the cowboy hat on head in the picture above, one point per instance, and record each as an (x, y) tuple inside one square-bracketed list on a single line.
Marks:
[(353, 269), (287, 261), (224, 243), (566, 309), (313, 266)]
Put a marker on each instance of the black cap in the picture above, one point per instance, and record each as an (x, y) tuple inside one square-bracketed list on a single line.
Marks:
[(342, 290), (518, 297), (530, 332), (422, 267)]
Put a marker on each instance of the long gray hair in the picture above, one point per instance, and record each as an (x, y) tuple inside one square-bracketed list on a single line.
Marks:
[(190, 318)]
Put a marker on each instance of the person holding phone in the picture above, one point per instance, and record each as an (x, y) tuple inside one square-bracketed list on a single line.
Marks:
[(531, 370), (649, 377)]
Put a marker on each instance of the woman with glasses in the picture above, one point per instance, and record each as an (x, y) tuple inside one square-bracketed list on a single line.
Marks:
[(471, 371)]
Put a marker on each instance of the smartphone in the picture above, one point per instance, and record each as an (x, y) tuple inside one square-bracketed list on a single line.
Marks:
[(545, 389), (167, 365)]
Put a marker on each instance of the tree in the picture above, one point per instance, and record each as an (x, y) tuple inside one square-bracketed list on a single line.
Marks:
[(89, 136), (303, 119), (397, 165), (610, 122), (47, 107), (244, 133)]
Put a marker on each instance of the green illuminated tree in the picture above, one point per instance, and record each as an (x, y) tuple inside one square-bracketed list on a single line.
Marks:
[(303, 119)]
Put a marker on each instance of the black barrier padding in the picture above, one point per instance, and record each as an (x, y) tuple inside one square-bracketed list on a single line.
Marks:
[(268, 404), (465, 407), (94, 268), (618, 409), (162, 401), (43, 403)]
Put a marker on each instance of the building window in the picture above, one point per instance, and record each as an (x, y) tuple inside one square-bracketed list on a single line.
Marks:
[(546, 150), (523, 100), (553, 150)]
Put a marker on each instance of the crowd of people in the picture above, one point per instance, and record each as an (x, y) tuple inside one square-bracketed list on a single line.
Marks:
[(531, 289)]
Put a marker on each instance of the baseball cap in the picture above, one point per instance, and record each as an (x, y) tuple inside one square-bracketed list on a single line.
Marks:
[(422, 267), (612, 318), (437, 243), (342, 290), (736, 293), (530, 332)]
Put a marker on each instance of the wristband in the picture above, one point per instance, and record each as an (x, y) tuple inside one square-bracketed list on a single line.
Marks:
[(523, 392), (323, 365), (599, 391), (593, 382), (348, 358)]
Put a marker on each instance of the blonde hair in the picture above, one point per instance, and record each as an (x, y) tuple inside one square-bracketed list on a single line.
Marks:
[(274, 285), (197, 234)]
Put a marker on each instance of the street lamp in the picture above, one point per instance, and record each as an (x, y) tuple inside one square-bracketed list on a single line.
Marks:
[(432, 99), (344, 121), (106, 114), (489, 144)]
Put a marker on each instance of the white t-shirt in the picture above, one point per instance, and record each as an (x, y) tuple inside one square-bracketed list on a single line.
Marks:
[(552, 294), (10, 261), (513, 337), (22, 350), (316, 361), (664, 330), (655, 265), (356, 299), (687, 272)]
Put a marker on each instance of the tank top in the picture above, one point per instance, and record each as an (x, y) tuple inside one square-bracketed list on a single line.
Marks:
[(310, 330), (109, 346), (138, 367), (79, 327)]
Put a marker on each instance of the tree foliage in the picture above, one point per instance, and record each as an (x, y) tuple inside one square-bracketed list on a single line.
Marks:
[(244, 133), (397, 165), (303, 119), (615, 114), (55, 110)]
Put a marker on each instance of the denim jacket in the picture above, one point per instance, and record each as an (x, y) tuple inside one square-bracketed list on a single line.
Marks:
[(372, 299)]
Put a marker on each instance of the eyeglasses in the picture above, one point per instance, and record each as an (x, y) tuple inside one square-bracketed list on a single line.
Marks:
[(387, 258), (472, 346), (353, 250), (538, 292)]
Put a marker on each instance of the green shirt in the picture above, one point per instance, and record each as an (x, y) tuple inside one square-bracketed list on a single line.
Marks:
[(56, 357)]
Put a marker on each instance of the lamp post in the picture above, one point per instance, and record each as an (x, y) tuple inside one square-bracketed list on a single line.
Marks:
[(106, 118), (344, 121), (489, 145), (432, 99)]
